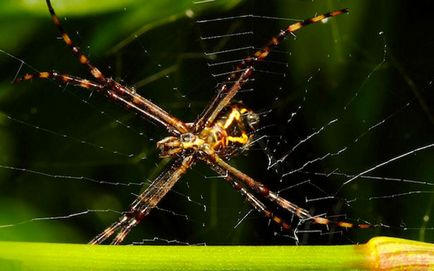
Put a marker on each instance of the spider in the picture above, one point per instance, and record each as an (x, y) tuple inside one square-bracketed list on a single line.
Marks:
[(222, 130)]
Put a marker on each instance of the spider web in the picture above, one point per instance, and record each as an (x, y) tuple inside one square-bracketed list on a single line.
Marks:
[(346, 129)]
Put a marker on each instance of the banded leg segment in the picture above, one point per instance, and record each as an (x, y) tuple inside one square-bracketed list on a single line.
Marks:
[(145, 202), (75, 49), (262, 190), (261, 54), (225, 94), (63, 78)]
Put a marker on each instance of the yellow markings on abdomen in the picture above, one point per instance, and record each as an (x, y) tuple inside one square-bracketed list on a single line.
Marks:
[(243, 139), (228, 129)]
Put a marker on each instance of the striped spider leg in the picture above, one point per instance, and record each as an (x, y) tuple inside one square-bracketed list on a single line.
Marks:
[(250, 198), (108, 87), (234, 82), (222, 130), (266, 193), (146, 201)]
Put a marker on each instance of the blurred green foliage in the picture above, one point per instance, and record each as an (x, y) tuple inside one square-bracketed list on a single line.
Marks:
[(155, 45)]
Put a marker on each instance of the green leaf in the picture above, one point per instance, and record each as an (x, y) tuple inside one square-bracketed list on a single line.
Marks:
[(379, 253)]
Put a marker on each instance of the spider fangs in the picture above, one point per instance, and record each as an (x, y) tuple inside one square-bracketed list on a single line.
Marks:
[(231, 132)]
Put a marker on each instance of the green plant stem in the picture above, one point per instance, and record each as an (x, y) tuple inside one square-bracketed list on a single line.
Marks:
[(49, 256)]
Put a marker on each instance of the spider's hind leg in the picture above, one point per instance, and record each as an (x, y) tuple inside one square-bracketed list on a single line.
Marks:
[(258, 205), (292, 208)]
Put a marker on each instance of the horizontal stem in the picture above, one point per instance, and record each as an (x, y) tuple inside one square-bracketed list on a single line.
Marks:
[(379, 252)]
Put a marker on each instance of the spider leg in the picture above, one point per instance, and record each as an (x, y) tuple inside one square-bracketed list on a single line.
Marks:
[(124, 232), (262, 190), (254, 201), (146, 201), (75, 49), (119, 94), (110, 88), (63, 78), (245, 68), (145, 108), (100, 238)]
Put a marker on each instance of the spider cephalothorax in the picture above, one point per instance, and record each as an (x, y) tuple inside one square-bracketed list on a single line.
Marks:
[(232, 131)]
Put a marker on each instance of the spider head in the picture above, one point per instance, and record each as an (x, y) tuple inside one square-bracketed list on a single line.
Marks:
[(169, 146), (172, 145)]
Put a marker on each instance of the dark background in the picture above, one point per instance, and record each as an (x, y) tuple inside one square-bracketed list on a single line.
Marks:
[(373, 65)]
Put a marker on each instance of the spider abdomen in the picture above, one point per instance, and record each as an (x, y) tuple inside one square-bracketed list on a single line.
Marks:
[(232, 131)]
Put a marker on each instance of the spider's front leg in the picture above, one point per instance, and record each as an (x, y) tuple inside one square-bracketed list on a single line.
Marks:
[(61, 78), (107, 86), (244, 69)]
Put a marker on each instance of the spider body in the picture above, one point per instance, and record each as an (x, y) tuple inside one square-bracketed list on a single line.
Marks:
[(222, 130), (231, 132)]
